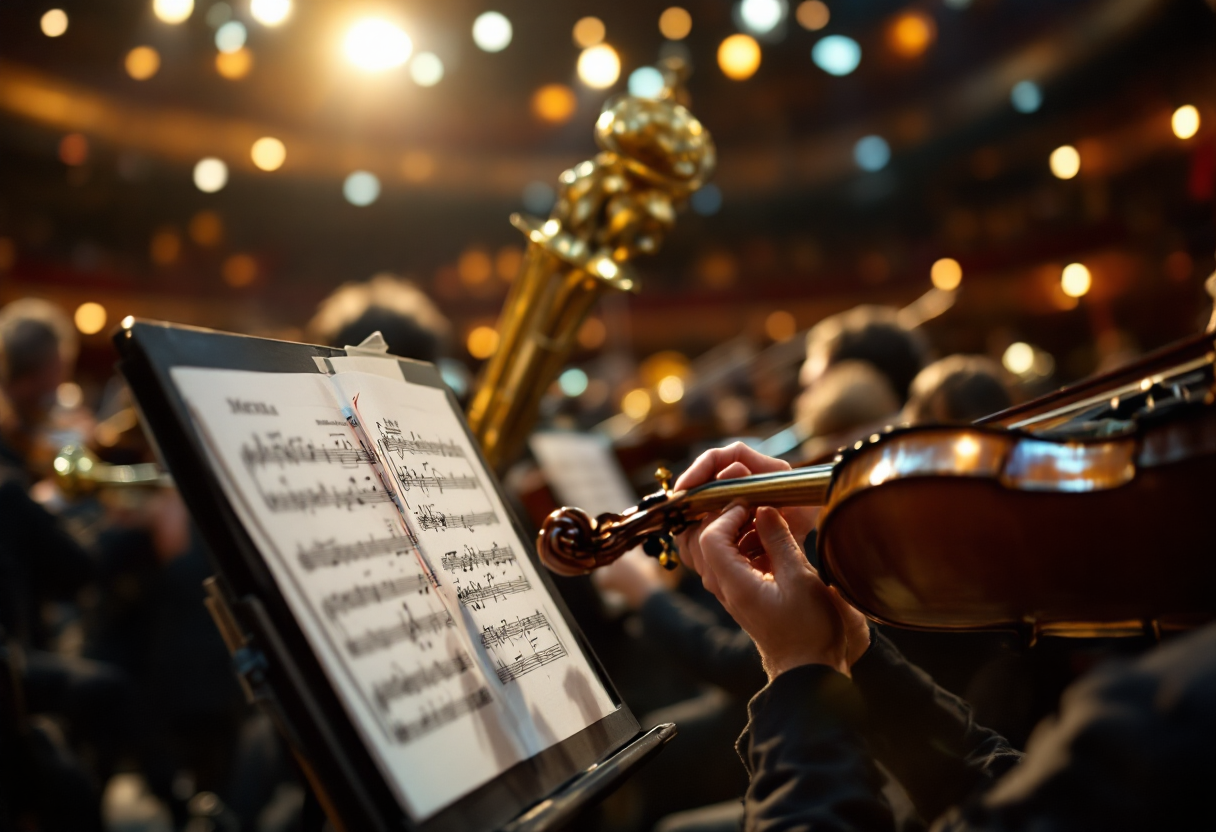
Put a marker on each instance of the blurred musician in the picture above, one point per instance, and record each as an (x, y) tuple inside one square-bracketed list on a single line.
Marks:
[(866, 333), (410, 322), (1131, 748)]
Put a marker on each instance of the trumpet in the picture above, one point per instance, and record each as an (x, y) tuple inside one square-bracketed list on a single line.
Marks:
[(79, 472)]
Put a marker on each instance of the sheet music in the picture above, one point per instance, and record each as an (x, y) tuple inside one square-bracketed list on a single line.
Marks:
[(582, 471), (396, 619)]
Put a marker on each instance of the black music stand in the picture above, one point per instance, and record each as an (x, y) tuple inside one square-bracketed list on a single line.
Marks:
[(274, 662)]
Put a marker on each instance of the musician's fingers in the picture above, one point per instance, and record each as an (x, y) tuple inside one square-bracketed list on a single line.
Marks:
[(733, 471), (720, 553), (783, 551), (711, 462)]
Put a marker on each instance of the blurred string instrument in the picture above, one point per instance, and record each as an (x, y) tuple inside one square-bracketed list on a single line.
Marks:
[(653, 155), (1088, 511)]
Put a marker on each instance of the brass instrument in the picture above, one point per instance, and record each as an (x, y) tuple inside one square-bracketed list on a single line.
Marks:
[(654, 155), (78, 471)]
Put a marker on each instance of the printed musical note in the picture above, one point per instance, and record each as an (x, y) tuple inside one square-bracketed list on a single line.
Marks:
[(334, 554), (472, 558), (392, 441), (306, 499), (495, 636), (476, 594), (437, 717), (526, 664), (411, 629), (404, 684), (337, 603), (430, 520), (298, 451), (425, 482)]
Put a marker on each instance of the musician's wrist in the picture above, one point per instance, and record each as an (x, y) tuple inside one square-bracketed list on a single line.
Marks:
[(776, 664)]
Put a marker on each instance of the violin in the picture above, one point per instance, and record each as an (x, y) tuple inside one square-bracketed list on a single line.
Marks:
[(1088, 511)]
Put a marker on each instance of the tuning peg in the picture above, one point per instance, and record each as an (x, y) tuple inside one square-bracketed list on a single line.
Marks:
[(662, 547), (663, 477)]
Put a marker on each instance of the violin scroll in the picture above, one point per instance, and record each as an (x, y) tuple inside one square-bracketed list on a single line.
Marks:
[(572, 543)]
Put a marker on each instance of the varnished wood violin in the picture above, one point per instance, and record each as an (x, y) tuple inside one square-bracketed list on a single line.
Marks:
[(1088, 511)]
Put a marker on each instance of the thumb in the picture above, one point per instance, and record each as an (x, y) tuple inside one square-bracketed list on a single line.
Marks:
[(787, 558)]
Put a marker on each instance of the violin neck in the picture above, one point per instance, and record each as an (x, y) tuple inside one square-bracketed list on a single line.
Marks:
[(799, 487)]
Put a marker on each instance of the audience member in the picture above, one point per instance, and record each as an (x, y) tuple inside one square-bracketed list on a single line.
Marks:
[(957, 390)]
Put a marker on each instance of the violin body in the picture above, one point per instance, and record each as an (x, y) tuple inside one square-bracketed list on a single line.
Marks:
[(1090, 511)]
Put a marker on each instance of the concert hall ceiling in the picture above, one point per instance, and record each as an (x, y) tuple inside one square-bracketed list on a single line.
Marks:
[(873, 138)]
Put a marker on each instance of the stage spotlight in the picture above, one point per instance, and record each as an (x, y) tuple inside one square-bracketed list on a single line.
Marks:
[(1185, 121), (1075, 280), (210, 175), (492, 32), (1065, 162), (54, 23), (374, 44), (270, 12), (836, 55), (173, 11), (1018, 358), (599, 66), (739, 57)]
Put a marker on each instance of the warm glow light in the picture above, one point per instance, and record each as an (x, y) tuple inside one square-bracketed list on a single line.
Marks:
[(671, 389), (636, 404), (1075, 280), (812, 15), (911, 33), (54, 23), (417, 166), (1065, 162), (599, 66), (946, 274), (492, 32), (780, 325), (1185, 121), (592, 334), (482, 342), (128, 322), (474, 267), (966, 447), (234, 65), (268, 153), (239, 270), (555, 103), (739, 57), (142, 62), (90, 318), (210, 175), (74, 149), (675, 23), (1018, 358), (172, 11), (588, 32), (165, 247), (231, 36), (206, 228), (374, 44), (426, 69), (270, 12), (361, 188)]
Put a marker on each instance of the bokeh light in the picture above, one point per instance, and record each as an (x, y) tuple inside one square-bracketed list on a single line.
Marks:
[(538, 197), (507, 262), (142, 62), (173, 11), (1185, 121), (239, 270), (234, 65), (1075, 280), (812, 15), (636, 404), (482, 342), (90, 318), (1065, 162), (573, 382), (554, 103), (780, 326), (675, 23), (165, 247), (739, 57), (871, 153), (74, 149), (911, 33), (599, 66), (206, 229), (426, 69), (645, 82), (836, 55), (946, 274), (760, 17), (474, 267), (592, 334), (492, 32), (707, 201), (268, 153), (418, 166), (588, 31), (210, 175), (670, 389), (1018, 358), (231, 36), (361, 188), (270, 12), (374, 44), (54, 23), (1026, 97)]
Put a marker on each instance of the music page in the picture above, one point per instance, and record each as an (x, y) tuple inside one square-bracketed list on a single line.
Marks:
[(424, 685)]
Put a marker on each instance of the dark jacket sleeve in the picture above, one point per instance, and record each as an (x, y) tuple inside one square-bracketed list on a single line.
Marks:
[(924, 734), (809, 763), (692, 636), (57, 564)]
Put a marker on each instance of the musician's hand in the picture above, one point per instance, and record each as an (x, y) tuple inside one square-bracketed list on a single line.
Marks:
[(791, 614), (735, 460), (635, 577)]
